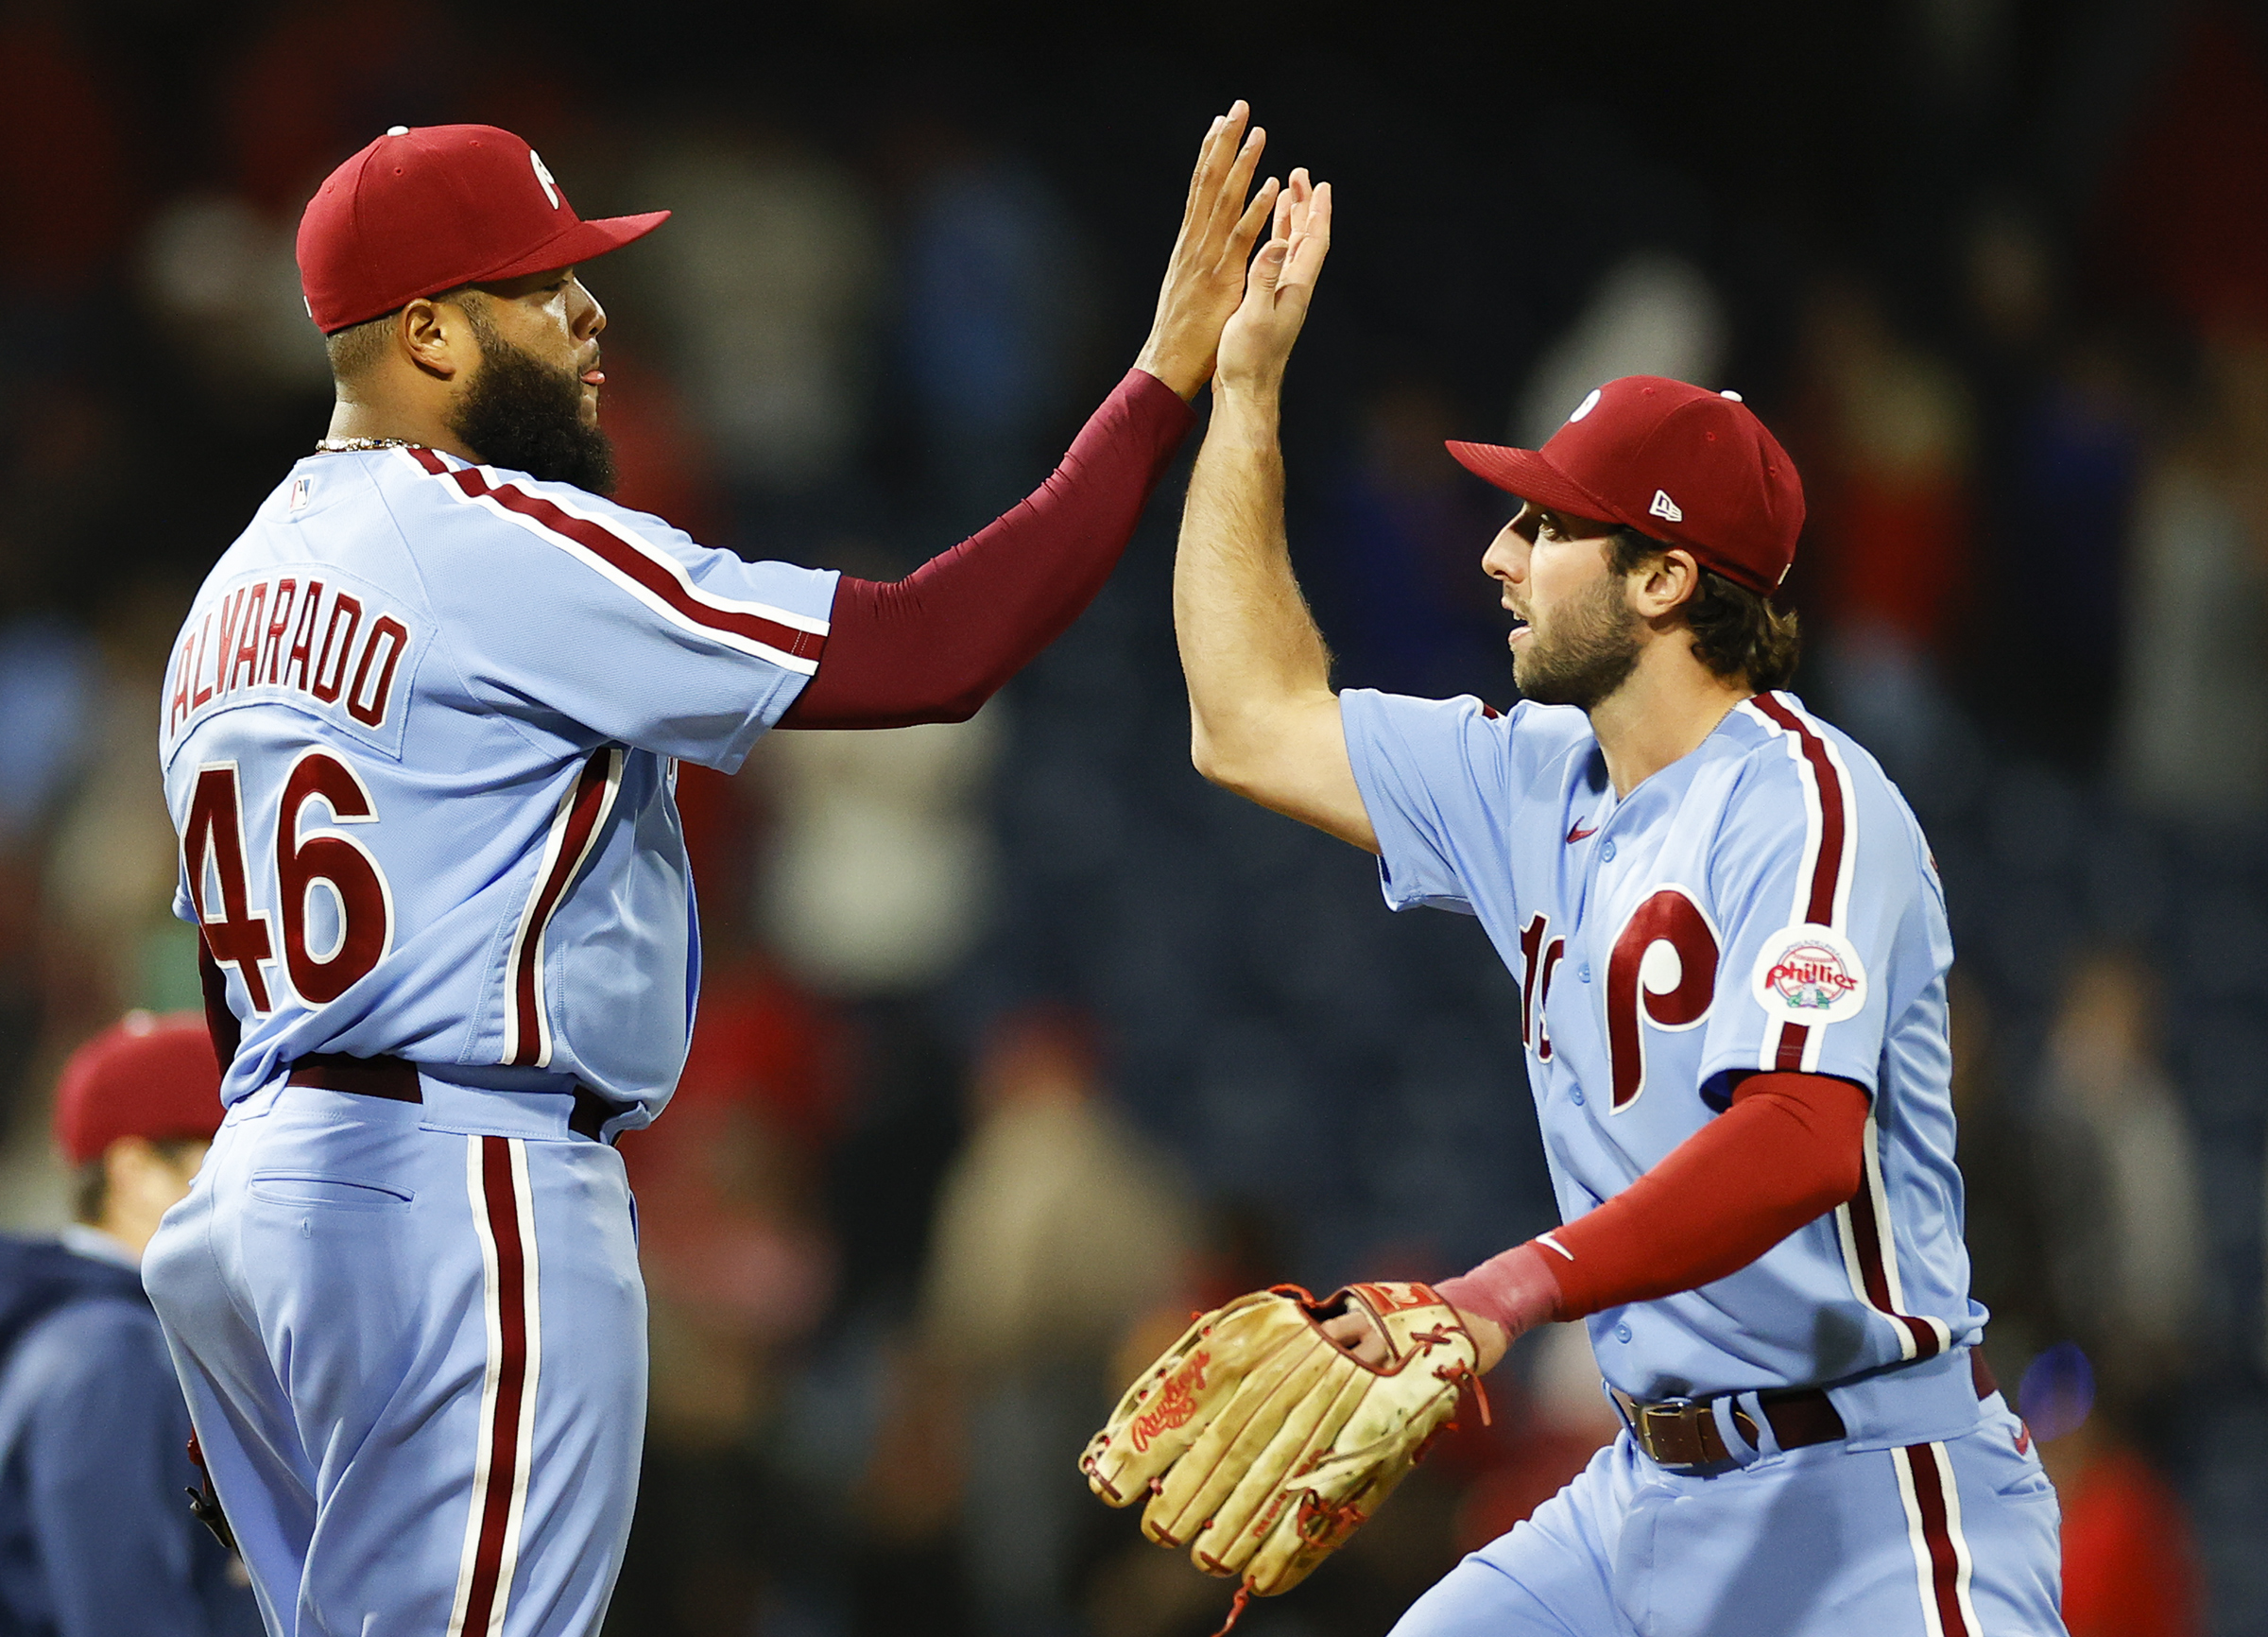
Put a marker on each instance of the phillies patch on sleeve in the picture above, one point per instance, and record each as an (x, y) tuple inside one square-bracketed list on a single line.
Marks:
[(1809, 974)]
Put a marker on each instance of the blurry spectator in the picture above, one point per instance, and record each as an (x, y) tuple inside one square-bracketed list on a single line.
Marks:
[(2129, 1568), (2060, 591), (989, 307), (1654, 313), (2120, 1179), (1055, 1222), (113, 862), (95, 1535), (220, 278), (736, 1264), (2011, 278), (1889, 445), (63, 448), (740, 1271), (47, 678), (1399, 538), (2192, 712), (2001, 1188), (769, 279), (909, 797)]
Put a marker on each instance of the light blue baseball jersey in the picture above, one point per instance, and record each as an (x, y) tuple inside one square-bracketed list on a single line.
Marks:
[(420, 737), (1767, 903)]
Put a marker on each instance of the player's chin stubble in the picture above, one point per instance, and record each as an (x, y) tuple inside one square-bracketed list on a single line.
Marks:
[(1591, 649), (520, 413)]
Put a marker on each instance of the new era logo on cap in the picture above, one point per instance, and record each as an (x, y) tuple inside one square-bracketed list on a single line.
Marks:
[(1665, 508)]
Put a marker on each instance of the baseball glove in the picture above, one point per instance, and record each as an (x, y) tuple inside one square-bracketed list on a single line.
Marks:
[(1262, 1444)]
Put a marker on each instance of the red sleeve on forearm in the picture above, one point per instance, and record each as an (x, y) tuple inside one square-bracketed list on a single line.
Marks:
[(935, 645), (1789, 1149)]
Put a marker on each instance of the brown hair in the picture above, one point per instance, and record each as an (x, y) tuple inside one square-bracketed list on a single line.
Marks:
[(1736, 632), (354, 348), (90, 1188)]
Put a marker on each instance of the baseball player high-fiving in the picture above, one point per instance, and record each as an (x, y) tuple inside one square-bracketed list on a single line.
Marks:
[(1730, 950), (420, 732)]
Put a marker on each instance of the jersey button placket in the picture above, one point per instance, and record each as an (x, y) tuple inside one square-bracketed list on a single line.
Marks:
[(1607, 853)]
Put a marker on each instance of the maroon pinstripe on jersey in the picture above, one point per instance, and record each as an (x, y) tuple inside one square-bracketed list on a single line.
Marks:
[(575, 828), (1941, 1559), (504, 1219), (1823, 893), (1829, 836)]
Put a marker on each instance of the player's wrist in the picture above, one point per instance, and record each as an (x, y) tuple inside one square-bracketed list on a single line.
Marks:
[(1512, 1293), (1181, 372), (1490, 1340), (1252, 400)]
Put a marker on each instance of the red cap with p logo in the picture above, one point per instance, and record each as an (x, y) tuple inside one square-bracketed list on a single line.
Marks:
[(1680, 463), (420, 212)]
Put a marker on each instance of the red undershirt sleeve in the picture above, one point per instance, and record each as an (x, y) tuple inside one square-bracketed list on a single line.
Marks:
[(1790, 1148), (935, 645)]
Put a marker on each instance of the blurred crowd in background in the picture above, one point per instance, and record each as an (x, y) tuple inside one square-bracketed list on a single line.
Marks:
[(1017, 1042)]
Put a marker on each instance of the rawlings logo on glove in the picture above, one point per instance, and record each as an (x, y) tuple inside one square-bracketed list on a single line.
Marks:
[(1263, 1444), (1177, 1402)]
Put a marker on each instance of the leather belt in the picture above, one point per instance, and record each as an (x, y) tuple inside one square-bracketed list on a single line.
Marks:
[(396, 1081), (1683, 1432)]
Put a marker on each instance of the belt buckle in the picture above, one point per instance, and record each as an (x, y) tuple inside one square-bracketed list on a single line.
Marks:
[(1668, 1430)]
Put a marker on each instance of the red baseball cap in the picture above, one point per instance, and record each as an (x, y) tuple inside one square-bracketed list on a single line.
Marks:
[(1680, 464), (145, 1075), (420, 212)]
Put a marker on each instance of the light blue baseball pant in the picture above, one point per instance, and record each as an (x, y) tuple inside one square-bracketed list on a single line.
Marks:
[(413, 1340), (1953, 1539)]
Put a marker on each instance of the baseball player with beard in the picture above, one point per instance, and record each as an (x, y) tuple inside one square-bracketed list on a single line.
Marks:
[(419, 736), (1730, 950)]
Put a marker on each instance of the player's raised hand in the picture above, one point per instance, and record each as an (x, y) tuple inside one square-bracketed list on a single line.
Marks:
[(1277, 286), (1205, 279)]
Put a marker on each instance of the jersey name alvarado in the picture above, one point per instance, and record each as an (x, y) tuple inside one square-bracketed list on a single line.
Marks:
[(306, 636)]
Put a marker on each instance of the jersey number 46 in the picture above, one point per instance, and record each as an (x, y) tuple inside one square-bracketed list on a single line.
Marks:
[(325, 858)]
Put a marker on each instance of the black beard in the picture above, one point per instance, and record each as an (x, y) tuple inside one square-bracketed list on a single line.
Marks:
[(520, 413), (1592, 650)]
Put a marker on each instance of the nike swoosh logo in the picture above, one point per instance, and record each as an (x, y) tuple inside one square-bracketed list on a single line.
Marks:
[(2023, 1439), (1578, 832)]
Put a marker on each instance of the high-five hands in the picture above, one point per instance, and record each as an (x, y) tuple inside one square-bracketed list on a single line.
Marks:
[(1278, 287), (1205, 280)]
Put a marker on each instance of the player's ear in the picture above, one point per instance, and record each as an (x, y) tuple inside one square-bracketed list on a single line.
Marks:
[(1670, 580), (438, 338)]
